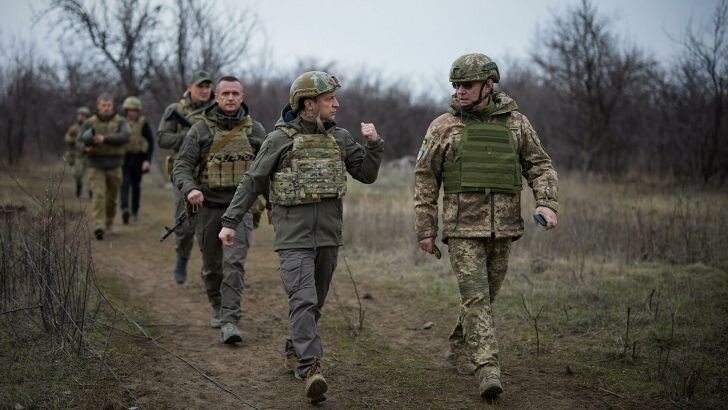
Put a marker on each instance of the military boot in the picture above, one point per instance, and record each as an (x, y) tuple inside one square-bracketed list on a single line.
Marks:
[(125, 214), (180, 270), (490, 385), (99, 234), (316, 385), (290, 361), (79, 189), (215, 318), (230, 334)]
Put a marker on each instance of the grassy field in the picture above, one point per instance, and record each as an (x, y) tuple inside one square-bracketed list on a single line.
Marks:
[(632, 288), (633, 284)]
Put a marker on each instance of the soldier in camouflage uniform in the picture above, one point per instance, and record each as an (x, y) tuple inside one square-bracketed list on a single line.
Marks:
[(215, 154), (137, 159), (170, 135), (74, 157), (477, 152), (102, 138), (305, 161)]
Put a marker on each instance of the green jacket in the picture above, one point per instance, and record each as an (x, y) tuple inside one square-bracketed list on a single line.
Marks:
[(196, 146), (170, 134), (115, 139), (310, 225)]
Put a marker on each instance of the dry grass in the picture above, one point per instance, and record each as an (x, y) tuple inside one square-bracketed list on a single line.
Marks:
[(657, 251)]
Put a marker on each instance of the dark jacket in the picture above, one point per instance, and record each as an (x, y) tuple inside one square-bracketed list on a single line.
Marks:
[(308, 225), (196, 146)]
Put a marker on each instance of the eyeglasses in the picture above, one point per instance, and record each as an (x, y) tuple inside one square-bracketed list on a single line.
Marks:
[(468, 85)]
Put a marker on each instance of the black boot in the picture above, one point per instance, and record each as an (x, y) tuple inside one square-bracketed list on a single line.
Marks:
[(180, 270), (79, 188)]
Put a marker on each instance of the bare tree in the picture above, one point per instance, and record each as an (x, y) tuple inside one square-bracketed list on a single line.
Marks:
[(703, 80), (581, 61), (124, 31)]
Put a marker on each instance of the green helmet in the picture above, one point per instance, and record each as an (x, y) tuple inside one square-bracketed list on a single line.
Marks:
[(132, 103), (310, 85), (473, 67), (83, 110)]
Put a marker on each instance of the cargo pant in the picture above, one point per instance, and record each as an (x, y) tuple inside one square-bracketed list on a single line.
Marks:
[(223, 269), (104, 183), (184, 235), (480, 266), (306, 276)]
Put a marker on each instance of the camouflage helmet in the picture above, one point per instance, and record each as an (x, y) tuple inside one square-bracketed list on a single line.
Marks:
[(473, 67), (132, 103), (310, 85), (83, 111)]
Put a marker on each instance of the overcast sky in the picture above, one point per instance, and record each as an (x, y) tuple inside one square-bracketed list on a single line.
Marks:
[(419, 39)]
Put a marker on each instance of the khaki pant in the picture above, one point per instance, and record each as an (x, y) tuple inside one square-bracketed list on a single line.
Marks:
[(104, 183), (223, 267), (480, 266)]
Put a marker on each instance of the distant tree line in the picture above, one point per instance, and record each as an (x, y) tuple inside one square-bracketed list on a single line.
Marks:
[(599, 104)]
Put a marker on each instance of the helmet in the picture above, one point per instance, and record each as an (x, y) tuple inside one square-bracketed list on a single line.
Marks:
[(473, 67), (132, 103), (311, 84), (83, 110)]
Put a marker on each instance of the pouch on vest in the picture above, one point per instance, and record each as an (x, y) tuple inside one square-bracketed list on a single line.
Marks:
[(226, 166), (485, 160), (315, 171)]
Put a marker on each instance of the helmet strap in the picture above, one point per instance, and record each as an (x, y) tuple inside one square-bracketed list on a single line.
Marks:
[(480, 99)]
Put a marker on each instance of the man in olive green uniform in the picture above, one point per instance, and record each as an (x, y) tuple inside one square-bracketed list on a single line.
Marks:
[(306, 160), (137, 159), (221, 146), (103, 137), (478, 152), (170, 135), (74, 157)]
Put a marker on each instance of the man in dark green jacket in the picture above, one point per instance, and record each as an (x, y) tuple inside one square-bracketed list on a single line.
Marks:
[(305, 161), (170, 135), (214, 156)]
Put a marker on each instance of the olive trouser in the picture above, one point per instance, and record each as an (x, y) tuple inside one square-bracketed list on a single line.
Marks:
[(104, 183), (223, 268), (480, 265), (184, 235), (306, 276)]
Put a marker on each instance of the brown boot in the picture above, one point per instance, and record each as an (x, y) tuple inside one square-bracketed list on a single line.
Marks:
[(290, 362), (462, 364), (316, 385)]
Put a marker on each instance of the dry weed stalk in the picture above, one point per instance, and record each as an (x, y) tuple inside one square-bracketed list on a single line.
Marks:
[(534, 319)]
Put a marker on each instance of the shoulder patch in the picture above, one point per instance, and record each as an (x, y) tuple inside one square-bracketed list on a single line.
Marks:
[(423, 147)]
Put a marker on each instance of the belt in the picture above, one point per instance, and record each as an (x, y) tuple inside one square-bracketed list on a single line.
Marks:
[(214, 205)]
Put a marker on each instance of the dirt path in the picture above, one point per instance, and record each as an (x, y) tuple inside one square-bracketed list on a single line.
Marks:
[(390, 365)]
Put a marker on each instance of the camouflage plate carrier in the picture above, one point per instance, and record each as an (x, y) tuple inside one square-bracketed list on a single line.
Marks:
[(106, 128), (137, 144), (226, 166), (192, 115), (485, 160), (314, 170)]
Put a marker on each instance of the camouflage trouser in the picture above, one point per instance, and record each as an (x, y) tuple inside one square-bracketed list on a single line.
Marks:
[(104, 183), (79, 168), (306, 276), (223, 267), (184, 235), (480, 266)]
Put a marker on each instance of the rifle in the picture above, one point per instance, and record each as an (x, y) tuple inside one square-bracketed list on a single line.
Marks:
[(180, 119), (179, 221)]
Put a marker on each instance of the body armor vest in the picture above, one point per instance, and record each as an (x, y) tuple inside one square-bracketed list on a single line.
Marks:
[(107, 128), (193, 115), (72, 133), (225, 168), (314, 170), (137, 144), (485, 160)]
